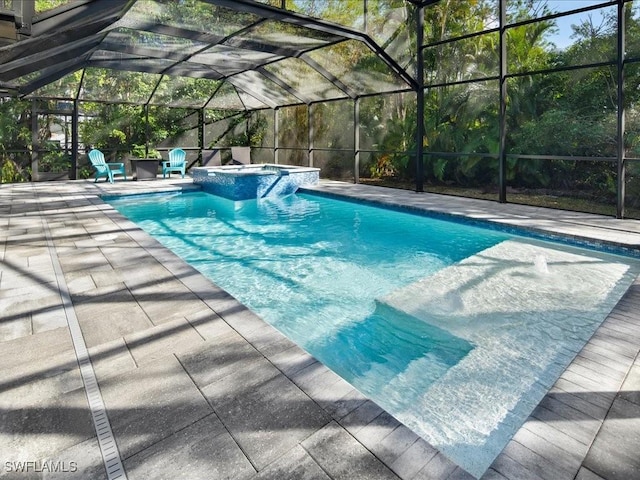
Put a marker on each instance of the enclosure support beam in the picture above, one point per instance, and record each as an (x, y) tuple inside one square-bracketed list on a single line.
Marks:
[(24, 13), (310, 131), (146, 131), (201, 139), (356, 140), (420, 102), (73, 171), (621, 190), (502, 154), (35, 150), (276, 133)]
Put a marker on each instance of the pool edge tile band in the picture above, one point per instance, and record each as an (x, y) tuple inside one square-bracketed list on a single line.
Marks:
[(106, 440)]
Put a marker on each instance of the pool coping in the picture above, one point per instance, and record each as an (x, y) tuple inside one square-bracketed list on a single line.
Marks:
[(577, 418)]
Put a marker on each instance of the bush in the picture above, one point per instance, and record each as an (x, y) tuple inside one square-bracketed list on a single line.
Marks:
[(10, 172)]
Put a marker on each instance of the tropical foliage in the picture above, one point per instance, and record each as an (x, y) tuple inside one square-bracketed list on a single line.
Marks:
[(15, 135), (557, 103)]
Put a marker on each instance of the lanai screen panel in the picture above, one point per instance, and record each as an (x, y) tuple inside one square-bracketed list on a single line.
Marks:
[(117, 86), (349, 13), (225, 98), (250, 102), (231, 60), (151, 44), (65, 88), (262, 88), (391, 23), (272, 57), (447, 20), (193, 19), (308, 84), (474, 58), (174, 91), (333, 125), (357, 67), (282, 36)]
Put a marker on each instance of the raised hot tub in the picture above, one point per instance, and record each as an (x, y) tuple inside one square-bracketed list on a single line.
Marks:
[(242, 182)]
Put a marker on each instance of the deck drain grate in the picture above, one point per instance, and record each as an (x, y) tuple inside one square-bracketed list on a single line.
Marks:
[(106, 440)]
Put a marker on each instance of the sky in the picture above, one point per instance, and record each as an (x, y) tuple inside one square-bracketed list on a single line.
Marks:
[(563, 38)]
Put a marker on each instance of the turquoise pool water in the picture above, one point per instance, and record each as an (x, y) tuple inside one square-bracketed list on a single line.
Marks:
[(366, 291), (313, 266)]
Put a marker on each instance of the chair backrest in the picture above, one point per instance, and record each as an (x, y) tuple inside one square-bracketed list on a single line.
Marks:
[(241, 155), (96, 157), (177, 157)]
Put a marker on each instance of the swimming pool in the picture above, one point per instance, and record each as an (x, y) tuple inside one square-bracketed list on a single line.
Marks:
[(457, 331)]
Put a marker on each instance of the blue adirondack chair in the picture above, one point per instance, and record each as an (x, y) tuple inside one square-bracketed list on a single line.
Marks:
[(177, 162), (104, 169)]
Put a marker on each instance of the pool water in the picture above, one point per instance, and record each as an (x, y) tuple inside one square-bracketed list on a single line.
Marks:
[(456, 330), (308, 265)]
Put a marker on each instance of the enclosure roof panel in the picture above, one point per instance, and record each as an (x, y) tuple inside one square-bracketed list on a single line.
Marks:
[(121, 86), (266, 56), (231, 60), (226, 97), (302, 78), (357, 67)]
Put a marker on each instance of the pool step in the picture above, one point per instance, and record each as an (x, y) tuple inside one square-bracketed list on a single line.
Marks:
[(559, 294), (513, 278)]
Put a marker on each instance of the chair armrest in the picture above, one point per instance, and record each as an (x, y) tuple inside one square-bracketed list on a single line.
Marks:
[(115, 164)]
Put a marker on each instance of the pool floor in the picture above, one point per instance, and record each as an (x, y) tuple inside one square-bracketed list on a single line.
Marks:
[(527, 308)]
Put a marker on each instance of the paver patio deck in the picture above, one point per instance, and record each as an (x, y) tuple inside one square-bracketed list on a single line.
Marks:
[(195, 385)]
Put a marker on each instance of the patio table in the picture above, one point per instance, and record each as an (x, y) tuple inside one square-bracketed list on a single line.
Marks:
[(146, 168)]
